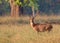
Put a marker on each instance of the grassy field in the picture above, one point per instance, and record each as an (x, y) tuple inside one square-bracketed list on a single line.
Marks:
[(18, 30)]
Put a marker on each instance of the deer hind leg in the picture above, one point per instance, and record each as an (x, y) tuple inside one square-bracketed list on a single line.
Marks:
[(49, 28)]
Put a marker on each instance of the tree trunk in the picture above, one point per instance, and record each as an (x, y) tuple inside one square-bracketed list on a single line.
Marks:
[(14, 9), (33, 11)]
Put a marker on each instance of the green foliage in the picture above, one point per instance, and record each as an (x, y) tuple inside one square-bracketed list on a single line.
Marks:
[(6, 0), (29, 3), (33, 3), (0, 1), (18, 2)]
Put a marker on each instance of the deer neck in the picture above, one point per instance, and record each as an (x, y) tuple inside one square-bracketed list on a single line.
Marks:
[(32, 23)]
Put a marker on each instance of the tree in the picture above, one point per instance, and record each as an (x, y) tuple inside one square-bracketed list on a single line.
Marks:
[(14, 8), (33, 4), (14, 4), (29, 3)]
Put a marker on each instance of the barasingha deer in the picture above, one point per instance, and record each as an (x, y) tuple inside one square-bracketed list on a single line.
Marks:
[(40, 27)]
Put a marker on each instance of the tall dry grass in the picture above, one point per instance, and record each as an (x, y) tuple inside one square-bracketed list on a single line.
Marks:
[(18, 30)]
